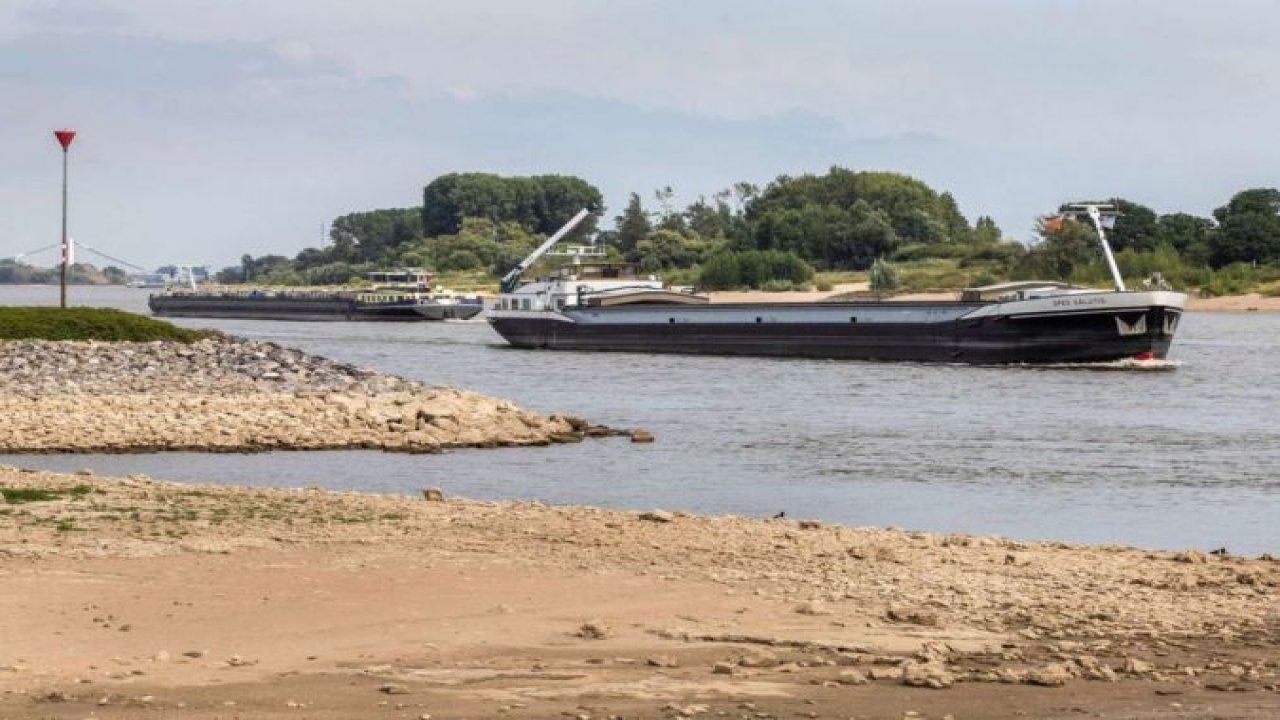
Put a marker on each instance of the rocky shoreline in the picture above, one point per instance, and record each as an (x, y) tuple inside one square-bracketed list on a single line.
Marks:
[(231, 395)]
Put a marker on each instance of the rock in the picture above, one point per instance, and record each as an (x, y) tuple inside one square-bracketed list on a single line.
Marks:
[(914, 616), (1055, 675), (1134, 666), (851, 677), (1194, 557), (659, 516), (641, 436), (885, 673), (664, 661), (930, 674), (722, 668), (433, 494), (393, 689), (594, 630), (759, 660), (813, 607)]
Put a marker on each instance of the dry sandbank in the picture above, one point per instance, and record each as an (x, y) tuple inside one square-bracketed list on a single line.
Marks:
[(138, 598)]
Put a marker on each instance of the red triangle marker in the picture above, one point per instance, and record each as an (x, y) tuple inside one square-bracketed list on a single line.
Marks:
[(65, 137)]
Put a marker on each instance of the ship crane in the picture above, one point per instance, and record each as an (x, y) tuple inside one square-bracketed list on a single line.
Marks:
[(1103, 216), (509, 280)]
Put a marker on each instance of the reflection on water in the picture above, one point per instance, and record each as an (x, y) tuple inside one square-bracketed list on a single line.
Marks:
[(1183, 456)]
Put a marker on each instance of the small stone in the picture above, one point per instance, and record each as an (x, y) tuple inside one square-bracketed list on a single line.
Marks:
[(851, 677), (641, 436), (659, 516), (594, 630), (914, 616), (931, 674), (1134, 666), (433, 494), (722, 668), (813, 607), (1055, 675), (393, 689)]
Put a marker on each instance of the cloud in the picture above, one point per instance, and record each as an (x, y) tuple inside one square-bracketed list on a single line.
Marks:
[(74, 15), (265, 129)]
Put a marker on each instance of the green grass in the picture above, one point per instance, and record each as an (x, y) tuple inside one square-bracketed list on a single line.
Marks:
[(14, 496), (51, 323)]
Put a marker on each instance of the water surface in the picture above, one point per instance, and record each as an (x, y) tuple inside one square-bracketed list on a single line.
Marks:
[(1180, 458)]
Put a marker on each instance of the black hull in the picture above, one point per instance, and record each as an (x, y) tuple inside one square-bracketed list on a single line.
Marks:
[(1063, 338), (324, 309)]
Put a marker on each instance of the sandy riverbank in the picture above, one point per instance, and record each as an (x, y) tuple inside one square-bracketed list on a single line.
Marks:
[(1251, 302), (133, 598)]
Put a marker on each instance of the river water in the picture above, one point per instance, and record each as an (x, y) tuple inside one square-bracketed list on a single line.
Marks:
[(1175, 458)]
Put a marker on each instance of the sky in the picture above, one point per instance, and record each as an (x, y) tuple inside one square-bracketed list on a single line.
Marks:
[(209, 129)]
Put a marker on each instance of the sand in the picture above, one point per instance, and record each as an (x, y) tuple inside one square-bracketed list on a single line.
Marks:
[(136, 598)]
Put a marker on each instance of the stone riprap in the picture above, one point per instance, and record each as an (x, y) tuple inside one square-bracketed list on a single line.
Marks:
[(236, 395)]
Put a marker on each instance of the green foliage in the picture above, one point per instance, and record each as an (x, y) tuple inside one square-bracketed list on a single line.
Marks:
[(367, 236), (1058, 254), (478, 245), (753, 269), (1249, 228), (633, 225), (665, 249), (15, 496), (52, 323), (13, 272), (1238, 278), (846, 219), (884, 277), (540, 203)]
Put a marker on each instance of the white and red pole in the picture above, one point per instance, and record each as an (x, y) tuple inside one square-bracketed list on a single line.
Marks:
[(64, 139)]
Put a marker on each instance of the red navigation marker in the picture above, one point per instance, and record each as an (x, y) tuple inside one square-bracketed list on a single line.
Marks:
[(65, 137)]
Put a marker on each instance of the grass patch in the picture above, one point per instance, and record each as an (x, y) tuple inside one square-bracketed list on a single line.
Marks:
[(15, 496), (52, 323)]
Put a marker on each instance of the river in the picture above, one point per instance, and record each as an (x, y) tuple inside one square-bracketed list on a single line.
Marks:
[(1176, 458)]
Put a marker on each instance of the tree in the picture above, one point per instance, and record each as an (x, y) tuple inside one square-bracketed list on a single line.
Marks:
[(1062, 249), (1248, 228), (1187, 234), (846, 219), (633, 225), (663, 249), (986, 232), (541, 203), (1136, 228), (371, 235)]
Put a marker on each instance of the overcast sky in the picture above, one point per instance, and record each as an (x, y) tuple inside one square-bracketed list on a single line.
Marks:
[(213, 128)]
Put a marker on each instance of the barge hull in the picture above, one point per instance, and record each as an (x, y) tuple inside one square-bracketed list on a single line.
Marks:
[(1079, 337), (276, 309)]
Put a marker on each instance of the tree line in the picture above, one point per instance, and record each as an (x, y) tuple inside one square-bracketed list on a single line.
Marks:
[(777, 235)]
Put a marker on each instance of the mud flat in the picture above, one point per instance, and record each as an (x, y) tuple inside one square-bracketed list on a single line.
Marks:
[(136, 598), (234, 395)]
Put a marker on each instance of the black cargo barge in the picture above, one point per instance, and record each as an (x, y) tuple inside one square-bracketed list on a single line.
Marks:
[(609, 306), (1078, 328), (305, 305)]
